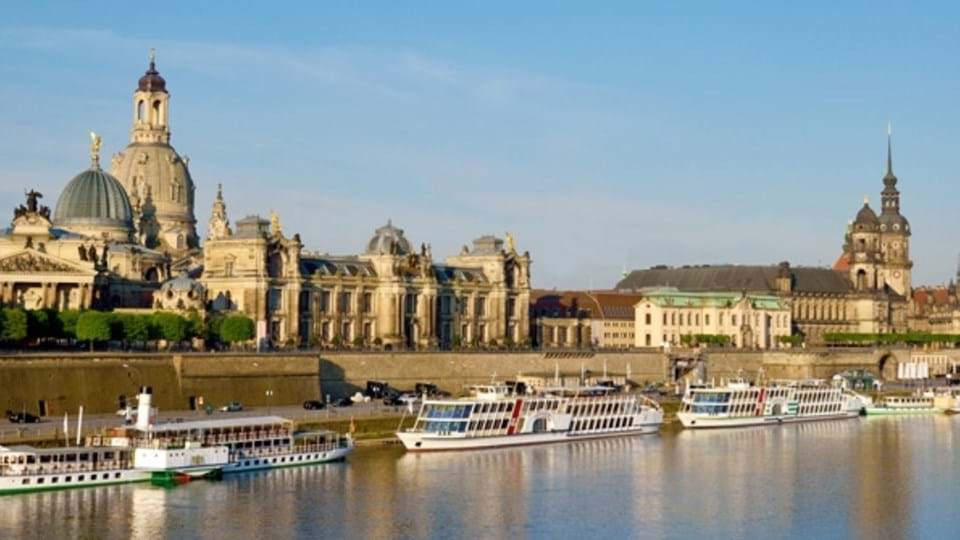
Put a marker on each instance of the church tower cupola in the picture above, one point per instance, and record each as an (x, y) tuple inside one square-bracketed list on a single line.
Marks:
[(157, 179), (151, 107)]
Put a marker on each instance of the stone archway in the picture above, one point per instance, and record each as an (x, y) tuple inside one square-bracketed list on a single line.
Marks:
[(887, 366)]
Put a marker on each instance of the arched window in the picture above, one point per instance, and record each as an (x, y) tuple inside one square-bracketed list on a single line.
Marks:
[(140, 111), (861, 279), (156, 112)]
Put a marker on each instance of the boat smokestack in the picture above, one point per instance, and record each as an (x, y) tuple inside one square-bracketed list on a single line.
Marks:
[(144, 403)]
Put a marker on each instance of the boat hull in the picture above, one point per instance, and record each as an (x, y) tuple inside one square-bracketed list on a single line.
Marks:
[(10, 485), (694, 421), (415, 441), (241, 464), (887, 411)]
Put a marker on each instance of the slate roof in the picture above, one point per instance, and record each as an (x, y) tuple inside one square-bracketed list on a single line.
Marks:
[(592, 304), (332, 266), (735, 278), (446, 274)]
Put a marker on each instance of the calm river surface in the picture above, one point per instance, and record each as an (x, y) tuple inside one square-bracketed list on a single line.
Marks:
[(867, 478)]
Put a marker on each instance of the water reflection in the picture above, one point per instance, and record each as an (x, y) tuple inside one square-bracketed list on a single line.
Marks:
[(885, 477)]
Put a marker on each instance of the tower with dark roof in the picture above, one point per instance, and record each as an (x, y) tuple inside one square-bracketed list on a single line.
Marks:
[(157, 179), (894, 233)]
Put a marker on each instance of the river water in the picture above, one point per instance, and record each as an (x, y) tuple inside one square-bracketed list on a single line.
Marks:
[(864, 478)]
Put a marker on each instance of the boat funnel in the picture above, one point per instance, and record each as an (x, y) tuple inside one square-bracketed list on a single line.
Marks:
[(144, 402)]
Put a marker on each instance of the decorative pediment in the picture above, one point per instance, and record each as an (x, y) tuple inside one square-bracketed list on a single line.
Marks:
[(34, 262)]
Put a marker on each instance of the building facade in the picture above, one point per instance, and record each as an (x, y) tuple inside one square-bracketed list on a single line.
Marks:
[(390, 295), (582, 319), (128, 239), (664, 316), (866, 291)]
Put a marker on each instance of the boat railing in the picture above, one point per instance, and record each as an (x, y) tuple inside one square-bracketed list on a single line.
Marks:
[(59, 468)]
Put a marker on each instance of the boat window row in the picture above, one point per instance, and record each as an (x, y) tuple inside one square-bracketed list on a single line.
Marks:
[(620, 422), (501, 406), (611, 407), (487, 425), (818, 396), (711, 397), (445, 427), (447, 411), (69, 479), (820, 408)]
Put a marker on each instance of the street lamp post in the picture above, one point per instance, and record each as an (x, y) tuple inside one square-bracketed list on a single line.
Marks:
[(269, 394)]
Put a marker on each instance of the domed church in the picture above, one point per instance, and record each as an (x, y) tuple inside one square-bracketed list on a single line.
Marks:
[(117, 239), (83, 254), (156, 178)]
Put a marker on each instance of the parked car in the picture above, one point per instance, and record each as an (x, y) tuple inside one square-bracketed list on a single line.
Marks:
[(233, 406), (22, 418), (314, 405)]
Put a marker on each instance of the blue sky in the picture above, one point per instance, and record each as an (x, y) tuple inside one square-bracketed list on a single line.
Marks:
[(602, 135)]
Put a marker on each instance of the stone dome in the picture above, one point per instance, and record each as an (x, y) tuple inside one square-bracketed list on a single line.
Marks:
[(183, 283), (866, 219), (388, 240), (94, 202)]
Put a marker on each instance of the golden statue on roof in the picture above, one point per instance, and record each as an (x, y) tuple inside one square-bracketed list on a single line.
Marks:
[(275, 223), (511, 246), (95, 142)]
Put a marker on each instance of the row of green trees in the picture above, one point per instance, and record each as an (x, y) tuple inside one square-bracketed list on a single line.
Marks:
[(18, 326), (705, 339), (908, 338), (796, 340)]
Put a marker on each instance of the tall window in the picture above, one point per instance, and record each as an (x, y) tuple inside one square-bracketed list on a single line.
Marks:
[(228, 268), (479, 306), (511, 307), (346, 301), (368, 302), (275, 299), (324, 301), (647, 319)]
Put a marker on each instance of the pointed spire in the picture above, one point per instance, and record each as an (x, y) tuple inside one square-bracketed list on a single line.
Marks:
[(889, 149), (153, 59)]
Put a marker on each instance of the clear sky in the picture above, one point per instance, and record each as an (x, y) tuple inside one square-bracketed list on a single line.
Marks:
[(601, 135)]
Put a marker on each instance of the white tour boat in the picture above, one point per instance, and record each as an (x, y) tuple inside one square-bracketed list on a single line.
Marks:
[(499, 415), (929, 402), (741, 404), (168, 452), (250, 443), (25, 468)]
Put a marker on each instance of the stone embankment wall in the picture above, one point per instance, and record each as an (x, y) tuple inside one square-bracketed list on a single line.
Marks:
[(63, 382)]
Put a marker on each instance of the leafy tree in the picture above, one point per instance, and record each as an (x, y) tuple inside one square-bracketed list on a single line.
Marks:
[(358, 341), (336, 341), (171, 327), (40, 324), (67, 323), (194, 324), (135, 327), (14, 325), (236, 329), (93, 326)]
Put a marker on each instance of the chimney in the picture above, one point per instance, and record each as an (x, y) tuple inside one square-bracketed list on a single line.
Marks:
[(144, 408)]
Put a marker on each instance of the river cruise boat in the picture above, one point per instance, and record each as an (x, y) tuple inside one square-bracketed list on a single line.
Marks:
[(740, 404), (930, 402), (250, 443), (25, 468), (498, 415)]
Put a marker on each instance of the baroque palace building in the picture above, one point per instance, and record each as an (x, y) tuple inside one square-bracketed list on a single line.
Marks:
[(867, 290), (128, 239)]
